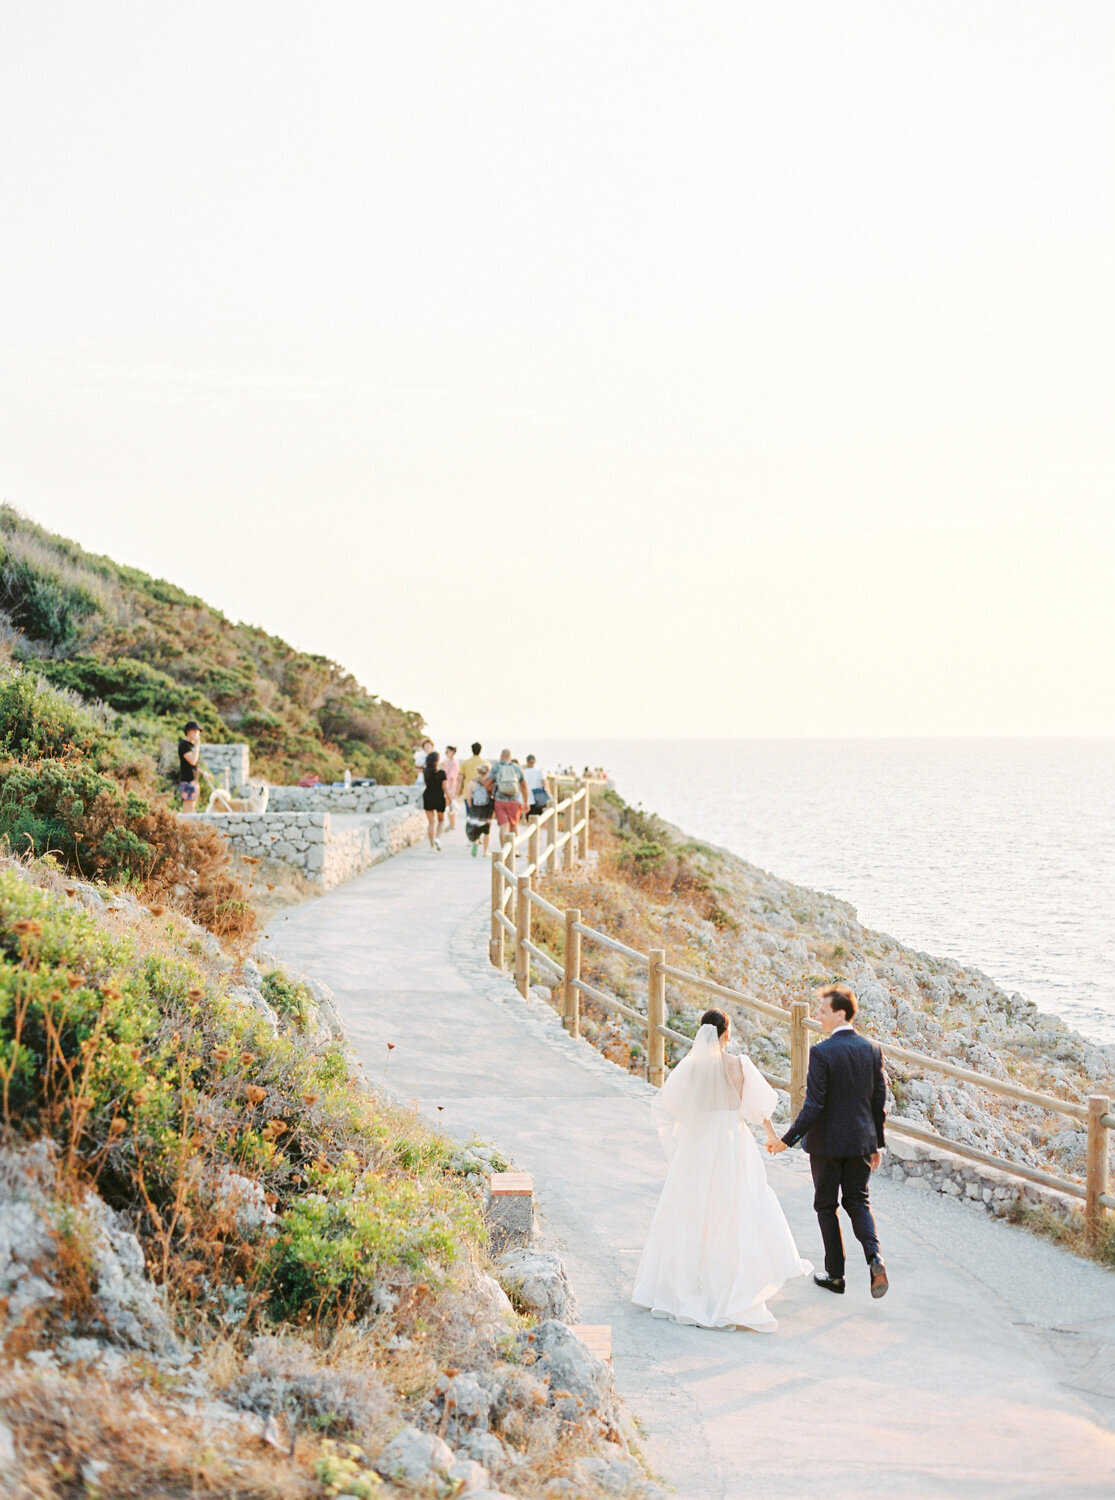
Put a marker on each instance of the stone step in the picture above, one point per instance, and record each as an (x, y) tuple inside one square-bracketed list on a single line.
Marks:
[(509, 1212)]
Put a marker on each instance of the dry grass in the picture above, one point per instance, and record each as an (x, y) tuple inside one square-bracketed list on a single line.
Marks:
[(80, 1433)]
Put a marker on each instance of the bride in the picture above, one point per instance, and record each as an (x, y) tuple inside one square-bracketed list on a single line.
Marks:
[(719, 1244)]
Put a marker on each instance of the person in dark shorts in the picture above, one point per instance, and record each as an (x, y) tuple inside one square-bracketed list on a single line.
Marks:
[(189, 753), (433, 798), (478, 803)]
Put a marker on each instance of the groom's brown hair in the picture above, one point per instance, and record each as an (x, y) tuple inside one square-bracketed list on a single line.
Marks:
[(841, 997)]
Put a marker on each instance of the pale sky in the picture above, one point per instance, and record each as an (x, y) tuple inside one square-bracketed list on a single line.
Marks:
[(604, 369)]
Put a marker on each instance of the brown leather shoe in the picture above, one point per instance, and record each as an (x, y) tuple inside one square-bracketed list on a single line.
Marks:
[(879, 1282)]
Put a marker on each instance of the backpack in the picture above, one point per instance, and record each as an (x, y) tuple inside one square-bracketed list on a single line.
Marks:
[(507, 781), (480, 796)]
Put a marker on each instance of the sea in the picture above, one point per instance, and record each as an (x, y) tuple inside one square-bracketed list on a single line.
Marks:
[(997, 853)]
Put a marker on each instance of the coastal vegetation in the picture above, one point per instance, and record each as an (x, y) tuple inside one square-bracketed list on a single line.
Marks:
[(309, 1260), (149, 650), (230, 1265)]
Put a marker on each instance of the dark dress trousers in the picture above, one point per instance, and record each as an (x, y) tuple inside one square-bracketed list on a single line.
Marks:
[(842, 1124)]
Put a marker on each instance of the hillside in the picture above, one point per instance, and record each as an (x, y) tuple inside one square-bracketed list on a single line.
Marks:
[(151, 651)]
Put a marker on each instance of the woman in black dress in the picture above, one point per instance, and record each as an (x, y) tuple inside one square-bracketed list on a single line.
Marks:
[(433, 798)]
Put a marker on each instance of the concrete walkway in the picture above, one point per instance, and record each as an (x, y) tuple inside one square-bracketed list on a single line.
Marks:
[(989, 1370)]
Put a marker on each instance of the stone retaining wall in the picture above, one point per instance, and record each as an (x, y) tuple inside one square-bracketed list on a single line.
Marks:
[(339, 799), (995, 1192), (233, 758), (308, 842)]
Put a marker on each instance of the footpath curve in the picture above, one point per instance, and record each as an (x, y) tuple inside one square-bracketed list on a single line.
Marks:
[(989, 1370)]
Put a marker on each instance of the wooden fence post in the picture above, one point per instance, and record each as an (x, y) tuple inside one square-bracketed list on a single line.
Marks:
[(571, 999), (534, 845), (495, 941), (1095, 1181), (656, 1017), (799, 1054), (582, 842), (522, 935), (570, 819)]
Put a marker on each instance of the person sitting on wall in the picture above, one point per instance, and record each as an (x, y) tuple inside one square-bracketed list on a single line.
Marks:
[(189, 777)]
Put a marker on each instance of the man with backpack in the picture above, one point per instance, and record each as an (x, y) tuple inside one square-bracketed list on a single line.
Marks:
[(509, 789)]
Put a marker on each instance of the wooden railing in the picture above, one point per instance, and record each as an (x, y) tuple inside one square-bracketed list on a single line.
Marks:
[(559, 838)]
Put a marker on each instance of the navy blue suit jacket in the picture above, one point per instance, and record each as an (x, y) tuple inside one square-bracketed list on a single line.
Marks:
[(845, 1098)]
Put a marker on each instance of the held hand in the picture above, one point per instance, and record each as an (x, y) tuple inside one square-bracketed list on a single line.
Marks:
[(876, 1158), (776, 1147)]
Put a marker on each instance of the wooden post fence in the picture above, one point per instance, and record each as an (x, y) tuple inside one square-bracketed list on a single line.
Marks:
[(571, 996), (582, 837), (570, 820), (1095, 1182), (656, 1018), (495, 942), (522, 935), (799, 1053)]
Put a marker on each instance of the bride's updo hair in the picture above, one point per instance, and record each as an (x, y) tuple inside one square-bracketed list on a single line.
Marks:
[(715, 1018)]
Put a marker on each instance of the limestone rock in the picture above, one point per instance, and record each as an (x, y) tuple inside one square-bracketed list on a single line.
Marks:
[(617, 1476), (485, 1447), (244, 1199), (125, 1303), (471, 1476), (566, 1362), (537, 1280), (415, 1459), (466, 1399)]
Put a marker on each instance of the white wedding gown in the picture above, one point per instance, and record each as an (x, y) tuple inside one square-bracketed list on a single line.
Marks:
[(719, 1245)]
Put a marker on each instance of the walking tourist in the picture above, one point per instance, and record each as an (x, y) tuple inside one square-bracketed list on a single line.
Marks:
[(189, 777), (433, 798), (420, 753), (452, 768), (842, 1122), (537, 786), (470, 766), (510, 791), (477, 787), (719, 1244)]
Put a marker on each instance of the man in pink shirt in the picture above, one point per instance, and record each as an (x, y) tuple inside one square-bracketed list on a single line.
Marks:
[(452, 768)]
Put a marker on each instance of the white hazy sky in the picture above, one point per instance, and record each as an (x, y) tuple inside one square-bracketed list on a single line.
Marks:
[(607, 368)]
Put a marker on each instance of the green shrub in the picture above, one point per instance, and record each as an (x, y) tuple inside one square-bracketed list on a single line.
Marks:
[(355, 1228), (36, 722), (101, 832), (151, 1081), (60, 809), (290, 998), (44, 605), (133, 687)]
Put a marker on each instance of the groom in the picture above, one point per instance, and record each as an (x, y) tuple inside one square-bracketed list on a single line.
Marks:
[(842, 1122)]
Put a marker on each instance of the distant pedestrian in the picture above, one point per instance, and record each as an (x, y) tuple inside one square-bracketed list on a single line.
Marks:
[(478, 803), (537, 786), (189, 777), (511, 794), (433, 798), (421, 751), (470, 766), (452, 767)]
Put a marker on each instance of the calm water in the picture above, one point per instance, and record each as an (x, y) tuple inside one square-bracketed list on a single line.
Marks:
[(999, 853)]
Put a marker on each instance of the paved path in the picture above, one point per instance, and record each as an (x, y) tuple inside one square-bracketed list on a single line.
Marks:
[(989, 1370)]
